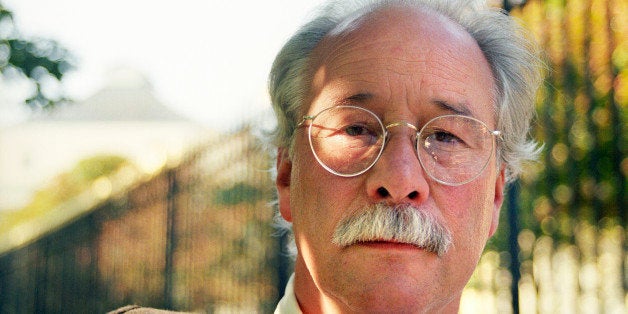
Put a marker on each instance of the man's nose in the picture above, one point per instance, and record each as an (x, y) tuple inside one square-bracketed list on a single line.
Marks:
[(398, 177)]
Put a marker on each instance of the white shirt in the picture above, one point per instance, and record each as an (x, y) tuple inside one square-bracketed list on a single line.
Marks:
[(288, 303)]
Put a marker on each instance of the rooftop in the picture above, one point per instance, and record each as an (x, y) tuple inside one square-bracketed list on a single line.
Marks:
[(127, 96)]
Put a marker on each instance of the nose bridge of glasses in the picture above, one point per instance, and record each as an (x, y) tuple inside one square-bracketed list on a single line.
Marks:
[(400, 124), (413, 135)]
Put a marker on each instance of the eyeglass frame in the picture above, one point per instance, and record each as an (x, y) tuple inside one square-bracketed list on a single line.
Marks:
[(385, 135)]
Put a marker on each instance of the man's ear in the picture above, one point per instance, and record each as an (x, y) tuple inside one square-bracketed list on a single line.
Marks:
[(284, 171), (500, 185)]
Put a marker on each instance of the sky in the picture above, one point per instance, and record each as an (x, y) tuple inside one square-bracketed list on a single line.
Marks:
[(206, 59)]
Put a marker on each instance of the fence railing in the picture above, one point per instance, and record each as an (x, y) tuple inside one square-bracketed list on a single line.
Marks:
[(197, 236)]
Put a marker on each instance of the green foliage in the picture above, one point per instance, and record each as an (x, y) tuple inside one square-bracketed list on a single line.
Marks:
[(42, 61), (64, 187), (581, 175), (92, 168), (239, 193)]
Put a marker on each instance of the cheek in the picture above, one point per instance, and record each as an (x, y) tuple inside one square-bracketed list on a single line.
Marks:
[(318, 198), (461, 203), (468, 211)]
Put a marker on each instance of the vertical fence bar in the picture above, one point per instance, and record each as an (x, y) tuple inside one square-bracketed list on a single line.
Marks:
[(5, 271), (43, 252), (513, 245), (170, 240), (513, 222)]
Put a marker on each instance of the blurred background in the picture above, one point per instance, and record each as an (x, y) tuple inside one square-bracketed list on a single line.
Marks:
[(135, 167)]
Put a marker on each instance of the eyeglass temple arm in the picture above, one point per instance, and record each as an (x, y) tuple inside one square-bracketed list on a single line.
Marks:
[(305, 118)]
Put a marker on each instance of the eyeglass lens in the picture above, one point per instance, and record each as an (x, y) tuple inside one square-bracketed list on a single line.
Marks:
[(348, 140)]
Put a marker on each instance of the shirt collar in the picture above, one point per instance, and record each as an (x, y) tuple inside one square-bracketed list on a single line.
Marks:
[(288, 303)]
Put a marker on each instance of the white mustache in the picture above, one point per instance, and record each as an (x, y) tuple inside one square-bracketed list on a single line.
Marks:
[(401, 223)]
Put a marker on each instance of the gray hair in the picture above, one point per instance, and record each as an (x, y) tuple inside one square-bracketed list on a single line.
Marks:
[(402, 223), (511, 53)]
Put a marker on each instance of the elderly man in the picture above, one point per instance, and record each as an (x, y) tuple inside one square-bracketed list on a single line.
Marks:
[(400, 123)]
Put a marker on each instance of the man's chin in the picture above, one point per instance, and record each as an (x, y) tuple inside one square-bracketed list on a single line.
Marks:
[(389, 287), (388, 261)]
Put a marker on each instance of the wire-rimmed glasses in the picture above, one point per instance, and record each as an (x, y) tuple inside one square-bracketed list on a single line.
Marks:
[(348, 140)]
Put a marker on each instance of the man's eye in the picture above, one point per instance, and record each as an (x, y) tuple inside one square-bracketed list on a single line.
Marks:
[(446, 137), (356, 130)]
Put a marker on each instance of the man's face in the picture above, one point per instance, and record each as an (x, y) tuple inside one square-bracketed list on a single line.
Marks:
[(403, 66)]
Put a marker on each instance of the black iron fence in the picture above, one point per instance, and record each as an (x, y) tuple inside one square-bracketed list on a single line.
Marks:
[(561, 245), (197, 236)]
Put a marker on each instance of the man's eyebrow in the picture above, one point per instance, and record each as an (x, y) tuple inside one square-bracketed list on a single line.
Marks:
[(359, 98), (461, 109)]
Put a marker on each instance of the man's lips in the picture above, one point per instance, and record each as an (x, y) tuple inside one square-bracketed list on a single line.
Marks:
[(387, 245)]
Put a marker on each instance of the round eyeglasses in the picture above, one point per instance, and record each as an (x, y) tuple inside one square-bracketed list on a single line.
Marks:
[(348, 140)]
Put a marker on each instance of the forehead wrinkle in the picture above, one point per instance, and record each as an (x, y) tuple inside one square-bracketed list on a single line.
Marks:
[(371, 66), (331, 48), (336, 47), (362, 80), (440, 66)]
